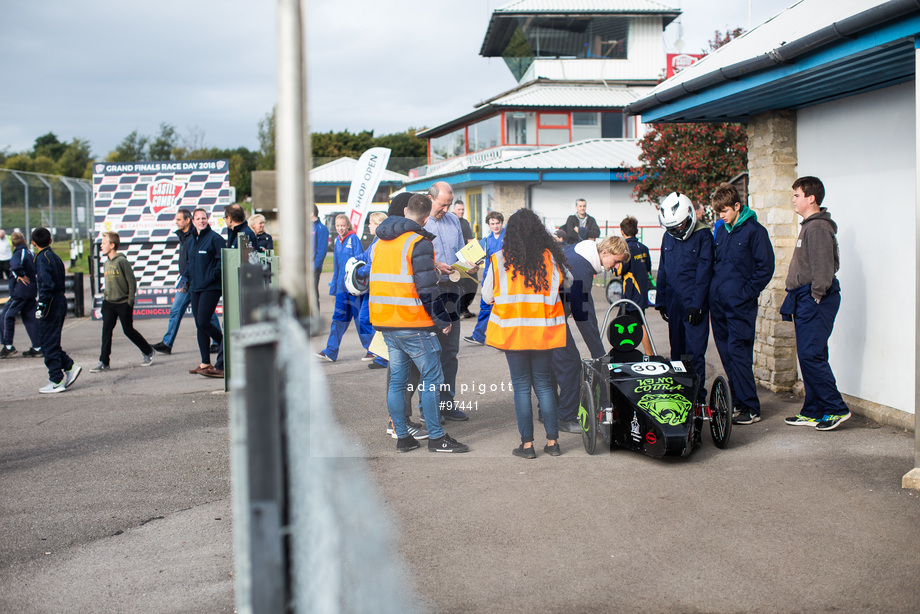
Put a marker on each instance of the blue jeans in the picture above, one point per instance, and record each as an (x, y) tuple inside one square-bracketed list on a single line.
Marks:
[(533, 369), (409, 346), (180, 304)]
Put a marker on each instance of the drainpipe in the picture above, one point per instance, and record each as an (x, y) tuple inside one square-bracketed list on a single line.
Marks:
[(528, 195)]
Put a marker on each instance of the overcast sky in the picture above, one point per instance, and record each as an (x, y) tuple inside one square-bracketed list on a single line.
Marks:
[(98, 69)]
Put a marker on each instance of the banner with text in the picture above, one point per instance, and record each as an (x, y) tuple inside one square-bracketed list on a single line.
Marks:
[(367, 177), (139, 200)]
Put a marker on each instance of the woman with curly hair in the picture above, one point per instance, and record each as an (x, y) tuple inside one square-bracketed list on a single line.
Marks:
[(528, 320)]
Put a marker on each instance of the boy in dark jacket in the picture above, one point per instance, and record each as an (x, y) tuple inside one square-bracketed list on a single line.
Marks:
[(406, 307), (812, 301), (23, 290), (684, 275), (52, 309), (118, 303), (743, 267)]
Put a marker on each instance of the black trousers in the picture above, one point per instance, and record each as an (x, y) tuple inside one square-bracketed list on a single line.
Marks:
[(111, 313), (203, 305)]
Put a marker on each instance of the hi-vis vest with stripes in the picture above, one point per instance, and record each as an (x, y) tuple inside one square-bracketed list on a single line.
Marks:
[(523, 319), (394, 301)]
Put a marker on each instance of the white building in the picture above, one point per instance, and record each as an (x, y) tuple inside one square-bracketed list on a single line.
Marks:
[(808, 83), (561, 134)]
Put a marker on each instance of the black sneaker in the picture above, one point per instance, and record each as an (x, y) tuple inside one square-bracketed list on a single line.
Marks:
[(33, 353), (407, 444), (473, 341), (6, 352), (553, 450), (446, 443), (746, 416), (524, 452), (832, 421), (162, 348), (570, 426)]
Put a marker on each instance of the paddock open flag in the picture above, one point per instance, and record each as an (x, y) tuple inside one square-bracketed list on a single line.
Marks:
[(364, 185)]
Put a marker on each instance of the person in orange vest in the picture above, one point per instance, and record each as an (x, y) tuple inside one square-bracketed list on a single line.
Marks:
[(528, 320), (407, 309)]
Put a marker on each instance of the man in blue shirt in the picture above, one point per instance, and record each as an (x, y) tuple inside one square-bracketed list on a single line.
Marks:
[(447, 242)]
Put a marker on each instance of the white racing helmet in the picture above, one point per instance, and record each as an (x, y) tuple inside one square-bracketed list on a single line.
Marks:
[(355, 284), (676, 216)]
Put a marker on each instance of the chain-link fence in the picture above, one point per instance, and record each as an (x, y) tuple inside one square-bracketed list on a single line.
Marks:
[(29, 200)]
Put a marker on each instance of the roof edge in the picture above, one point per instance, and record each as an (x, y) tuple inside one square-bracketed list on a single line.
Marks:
[(785, 54)]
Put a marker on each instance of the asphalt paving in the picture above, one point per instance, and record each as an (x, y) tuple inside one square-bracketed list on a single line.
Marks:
[(115, 497)]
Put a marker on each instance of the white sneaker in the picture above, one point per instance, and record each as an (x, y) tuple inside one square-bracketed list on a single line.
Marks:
[(51, 388), (148, 359), (72, 375)]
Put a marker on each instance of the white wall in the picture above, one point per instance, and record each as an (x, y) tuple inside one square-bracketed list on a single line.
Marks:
[(608, 203), (863, 150)]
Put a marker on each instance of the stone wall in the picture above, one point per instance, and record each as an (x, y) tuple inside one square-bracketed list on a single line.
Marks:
[(508, 198), (772, 163)]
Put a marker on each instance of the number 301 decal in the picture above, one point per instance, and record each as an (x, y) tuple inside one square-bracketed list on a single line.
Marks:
[(650, 368)]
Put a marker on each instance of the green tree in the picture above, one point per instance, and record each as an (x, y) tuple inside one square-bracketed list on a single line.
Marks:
[(407, 150), (132, 148), (76, 160), (48, 145), (43, 164), (267, 141), (20, 162), (164, 146)]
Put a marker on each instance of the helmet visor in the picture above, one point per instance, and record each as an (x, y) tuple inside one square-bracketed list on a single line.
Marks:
[(679, 231)]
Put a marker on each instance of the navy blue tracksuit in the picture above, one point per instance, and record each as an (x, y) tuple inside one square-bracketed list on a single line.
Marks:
[(49, 271), (684, 275), (814, 323), (743, 267), (567, 360)]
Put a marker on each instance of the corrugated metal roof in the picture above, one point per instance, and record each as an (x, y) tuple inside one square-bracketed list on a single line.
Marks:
[(343, 171), (568, 95), (811, 52), (580, 155), (585, 6), (546, 94), (589, 154)]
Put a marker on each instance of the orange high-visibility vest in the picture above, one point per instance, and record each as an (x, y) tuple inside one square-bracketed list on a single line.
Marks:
[(523, 319), (394, 300)]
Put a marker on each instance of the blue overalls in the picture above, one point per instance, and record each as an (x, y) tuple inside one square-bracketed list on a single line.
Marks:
[(743, 267), (491, 245), (684, 275), (814, 323)]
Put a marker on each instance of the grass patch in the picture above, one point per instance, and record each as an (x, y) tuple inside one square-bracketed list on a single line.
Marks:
[(81, 265)]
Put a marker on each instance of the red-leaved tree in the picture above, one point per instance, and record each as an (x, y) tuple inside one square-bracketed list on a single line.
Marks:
[(690, 158)]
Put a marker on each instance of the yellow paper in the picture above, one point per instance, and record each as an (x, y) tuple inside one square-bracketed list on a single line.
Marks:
[(472, 252), (378, 346)]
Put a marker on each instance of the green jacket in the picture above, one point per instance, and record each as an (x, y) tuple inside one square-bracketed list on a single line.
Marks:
[(120, 284)]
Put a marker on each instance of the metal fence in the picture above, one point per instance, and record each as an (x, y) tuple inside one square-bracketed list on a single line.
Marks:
[(29, 200)]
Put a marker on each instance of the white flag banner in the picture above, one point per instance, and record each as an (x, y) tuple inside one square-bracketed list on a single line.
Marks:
[(364, 185)]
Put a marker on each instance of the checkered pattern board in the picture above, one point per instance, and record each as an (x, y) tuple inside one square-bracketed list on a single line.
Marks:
[(139, 200), (155, 265)]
